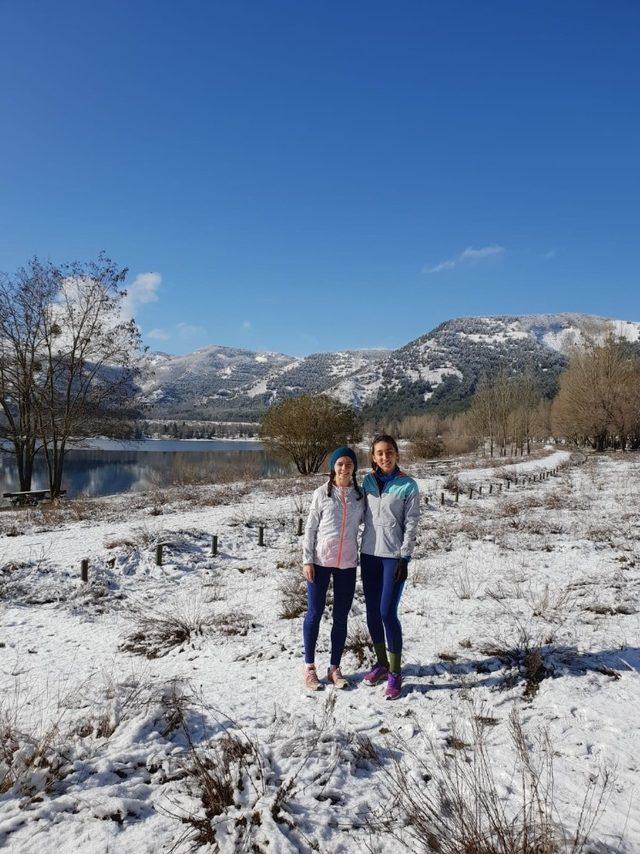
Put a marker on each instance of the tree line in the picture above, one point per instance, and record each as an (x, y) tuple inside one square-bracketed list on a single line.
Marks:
[(183, 429)]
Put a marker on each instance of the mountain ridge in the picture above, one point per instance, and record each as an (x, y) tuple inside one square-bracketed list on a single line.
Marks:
[(437, 371)]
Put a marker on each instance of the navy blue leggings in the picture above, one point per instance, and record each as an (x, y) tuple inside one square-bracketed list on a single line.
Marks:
[(382, 594), (344, 585)]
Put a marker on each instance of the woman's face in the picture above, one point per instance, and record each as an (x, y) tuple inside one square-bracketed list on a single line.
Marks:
[(385, 457), (344, 469)]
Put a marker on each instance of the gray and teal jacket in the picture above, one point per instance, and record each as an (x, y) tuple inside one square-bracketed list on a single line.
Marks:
[(331, 532), (391, 516)]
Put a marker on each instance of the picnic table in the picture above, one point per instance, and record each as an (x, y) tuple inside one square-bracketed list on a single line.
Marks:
[(29, 496)]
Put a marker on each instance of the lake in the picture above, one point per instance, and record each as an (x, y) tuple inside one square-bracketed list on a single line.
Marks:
[(108, 467)]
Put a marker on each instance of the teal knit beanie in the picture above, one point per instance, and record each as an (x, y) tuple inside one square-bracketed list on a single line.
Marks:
[(343, 452)]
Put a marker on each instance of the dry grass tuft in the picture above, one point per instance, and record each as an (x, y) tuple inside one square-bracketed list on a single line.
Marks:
[(359, 642), (293, 592), (454, 803), (30, 763), (161, 631), (465, 586)]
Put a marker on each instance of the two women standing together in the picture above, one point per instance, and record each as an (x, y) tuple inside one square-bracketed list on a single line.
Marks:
[(388, 503)]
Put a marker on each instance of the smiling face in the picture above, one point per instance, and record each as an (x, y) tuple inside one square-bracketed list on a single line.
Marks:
[(384, 456), (344, 470)]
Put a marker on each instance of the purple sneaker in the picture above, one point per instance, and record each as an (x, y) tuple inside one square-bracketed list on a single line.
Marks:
[(394, 686), (377, 674)]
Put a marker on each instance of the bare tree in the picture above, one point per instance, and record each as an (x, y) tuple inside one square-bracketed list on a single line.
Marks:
[(68, 358), (23, 299), (89, 357), (305, 429), (525, 401), (482, 414)]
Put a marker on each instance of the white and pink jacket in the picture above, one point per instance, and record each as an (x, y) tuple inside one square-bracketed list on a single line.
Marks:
[(331, 532)]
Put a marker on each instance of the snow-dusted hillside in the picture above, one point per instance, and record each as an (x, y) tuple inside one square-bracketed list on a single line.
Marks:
[(438, 370), (120, 698), (201, 381), (442, 368), (225, 380)]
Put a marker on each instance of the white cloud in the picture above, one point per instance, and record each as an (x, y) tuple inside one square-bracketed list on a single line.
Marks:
[(190, 330), (550, 254), (467, 256), (143, 290), (247, 324), (158, 335)]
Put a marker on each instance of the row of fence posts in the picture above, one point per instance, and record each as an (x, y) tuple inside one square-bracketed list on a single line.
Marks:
[(84, 564), (524, 479)]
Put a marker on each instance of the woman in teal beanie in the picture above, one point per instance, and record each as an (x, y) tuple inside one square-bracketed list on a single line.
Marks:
[(330, 552)]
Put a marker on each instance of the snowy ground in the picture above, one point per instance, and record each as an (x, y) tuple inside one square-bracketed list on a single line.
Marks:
[(520, 602)]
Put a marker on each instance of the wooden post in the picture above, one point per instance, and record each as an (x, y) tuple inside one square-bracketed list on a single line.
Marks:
[(426, 499), (457, 495), (261, 535), (84, 570), (159, 554), (214, 545), (490, 489), (480, 490), (500, 487), (470, 492), (509, 484), (300, 528), (442, 498)]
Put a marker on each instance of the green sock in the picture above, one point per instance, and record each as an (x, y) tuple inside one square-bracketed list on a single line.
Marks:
[(381, 654), (395, 658)]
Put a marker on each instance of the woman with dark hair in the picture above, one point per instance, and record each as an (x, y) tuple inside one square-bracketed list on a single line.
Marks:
[(330, 551), (390, 526)]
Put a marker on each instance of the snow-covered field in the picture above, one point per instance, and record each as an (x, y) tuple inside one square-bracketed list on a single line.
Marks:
[(160, 708)]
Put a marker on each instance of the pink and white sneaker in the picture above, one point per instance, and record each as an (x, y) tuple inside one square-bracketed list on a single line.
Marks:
[(394, 686), (377, 674)]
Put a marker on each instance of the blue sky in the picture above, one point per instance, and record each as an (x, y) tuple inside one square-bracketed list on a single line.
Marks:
[(304, 176)]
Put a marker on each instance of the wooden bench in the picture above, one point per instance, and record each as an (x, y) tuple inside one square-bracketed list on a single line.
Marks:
[(29, 496)]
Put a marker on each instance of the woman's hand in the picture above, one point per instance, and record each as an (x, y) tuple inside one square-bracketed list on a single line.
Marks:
[(401, 569), (309, 571)]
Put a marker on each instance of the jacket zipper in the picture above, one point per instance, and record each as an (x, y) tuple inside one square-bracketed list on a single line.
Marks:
[(343, 499)]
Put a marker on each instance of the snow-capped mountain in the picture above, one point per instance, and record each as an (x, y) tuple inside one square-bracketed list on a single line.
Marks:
[(439, 370), (228, 382)]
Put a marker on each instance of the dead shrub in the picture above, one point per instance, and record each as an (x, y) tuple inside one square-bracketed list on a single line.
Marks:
[(427, 447), (161, 631), (30, 763), (293, 592), (465, 586), (359, 642), (454, 484), (457, 805), (626, 608), (174, 706), (217, 771), (548, 604), (236, 782), (234, 624)]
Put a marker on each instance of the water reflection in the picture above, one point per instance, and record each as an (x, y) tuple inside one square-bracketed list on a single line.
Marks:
[(107, 472)]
